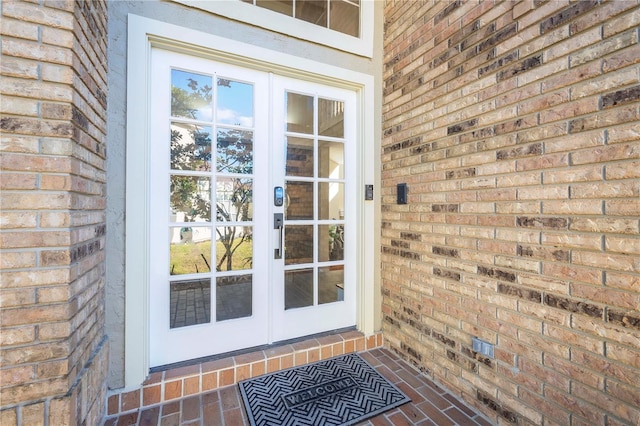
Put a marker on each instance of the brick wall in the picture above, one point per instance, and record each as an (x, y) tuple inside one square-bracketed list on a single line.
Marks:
[(516, 127), (299, 239), (52, 344)]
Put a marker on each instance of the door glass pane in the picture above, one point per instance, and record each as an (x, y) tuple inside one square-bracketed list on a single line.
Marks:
[(314, 11), (191, 95), (331, 243), (330, 284), (298, 244), (330, 200), (233, 297), (300, 200), (190, 250), (235, 103), (345, 17), (234, 248), (298, 288), (330, 118), (331, 160), (234, 151), (190, 302), (190, 147), (299, 113), (190, 198), (299, 157), (234, 199)]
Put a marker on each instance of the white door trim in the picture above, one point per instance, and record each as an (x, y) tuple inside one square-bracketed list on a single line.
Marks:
[(143, 33)]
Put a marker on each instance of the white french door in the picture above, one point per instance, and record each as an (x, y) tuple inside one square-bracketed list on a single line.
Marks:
[(252, 203), (314, 134)]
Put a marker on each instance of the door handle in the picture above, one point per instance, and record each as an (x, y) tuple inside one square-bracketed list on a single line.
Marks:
[(278, 224)]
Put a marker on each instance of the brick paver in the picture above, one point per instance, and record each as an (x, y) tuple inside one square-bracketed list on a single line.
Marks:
[(430, 403)]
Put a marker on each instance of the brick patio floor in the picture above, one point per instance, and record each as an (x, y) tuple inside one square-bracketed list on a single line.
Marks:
[(431, 405)]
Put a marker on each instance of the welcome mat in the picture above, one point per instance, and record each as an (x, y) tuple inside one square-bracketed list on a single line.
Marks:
[(337, 391)]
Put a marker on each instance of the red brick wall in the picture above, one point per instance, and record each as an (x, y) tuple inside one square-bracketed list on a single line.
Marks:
[(516, 127), (52, 344)]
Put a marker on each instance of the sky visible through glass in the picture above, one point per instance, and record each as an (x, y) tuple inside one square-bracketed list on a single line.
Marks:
[(235, 99)]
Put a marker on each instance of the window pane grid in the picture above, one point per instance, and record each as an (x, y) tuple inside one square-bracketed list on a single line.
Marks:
[(314, 211), (211, 191), (339, 15)]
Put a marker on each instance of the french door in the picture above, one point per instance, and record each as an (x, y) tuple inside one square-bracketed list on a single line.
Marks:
[(252, 206), (314, 134)]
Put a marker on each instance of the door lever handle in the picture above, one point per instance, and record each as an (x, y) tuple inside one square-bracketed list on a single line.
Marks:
[(279, 226)]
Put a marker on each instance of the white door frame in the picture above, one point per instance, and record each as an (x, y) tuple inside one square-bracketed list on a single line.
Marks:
[(143, 33)]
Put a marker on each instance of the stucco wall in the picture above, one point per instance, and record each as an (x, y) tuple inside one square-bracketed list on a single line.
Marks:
[(515, 126), (178, 14)]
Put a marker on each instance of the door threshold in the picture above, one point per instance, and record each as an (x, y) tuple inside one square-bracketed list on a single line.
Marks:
[(175, 381), (232, 354)]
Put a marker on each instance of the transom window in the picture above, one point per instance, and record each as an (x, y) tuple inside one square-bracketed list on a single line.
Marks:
[(339, 15), (345, 25)]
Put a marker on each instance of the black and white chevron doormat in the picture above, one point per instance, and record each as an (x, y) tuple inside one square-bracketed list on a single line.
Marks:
[(337, 391)]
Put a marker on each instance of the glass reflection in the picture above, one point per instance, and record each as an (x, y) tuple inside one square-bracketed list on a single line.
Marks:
[(299, 113), (234, 297), (234, 248), (298, 244), (234, 151), (190, 147), (189, 302), (300, 200), (299, 157), (314, 11), (235, 103), (331, 243), (191, 95), (345, 18), (281, 6), (330, 200), (234, 200), (190, 198), (190, 250), (331, 160), (331, 118), (330, 284), (298, 288)]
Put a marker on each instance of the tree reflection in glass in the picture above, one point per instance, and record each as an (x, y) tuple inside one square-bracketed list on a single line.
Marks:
[(190, 198), (234, 151), (190, 147), (192, 133), (191, 95), (234, 203)]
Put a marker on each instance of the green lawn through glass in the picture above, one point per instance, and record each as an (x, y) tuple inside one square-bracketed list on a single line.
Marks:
[(190, 258)]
